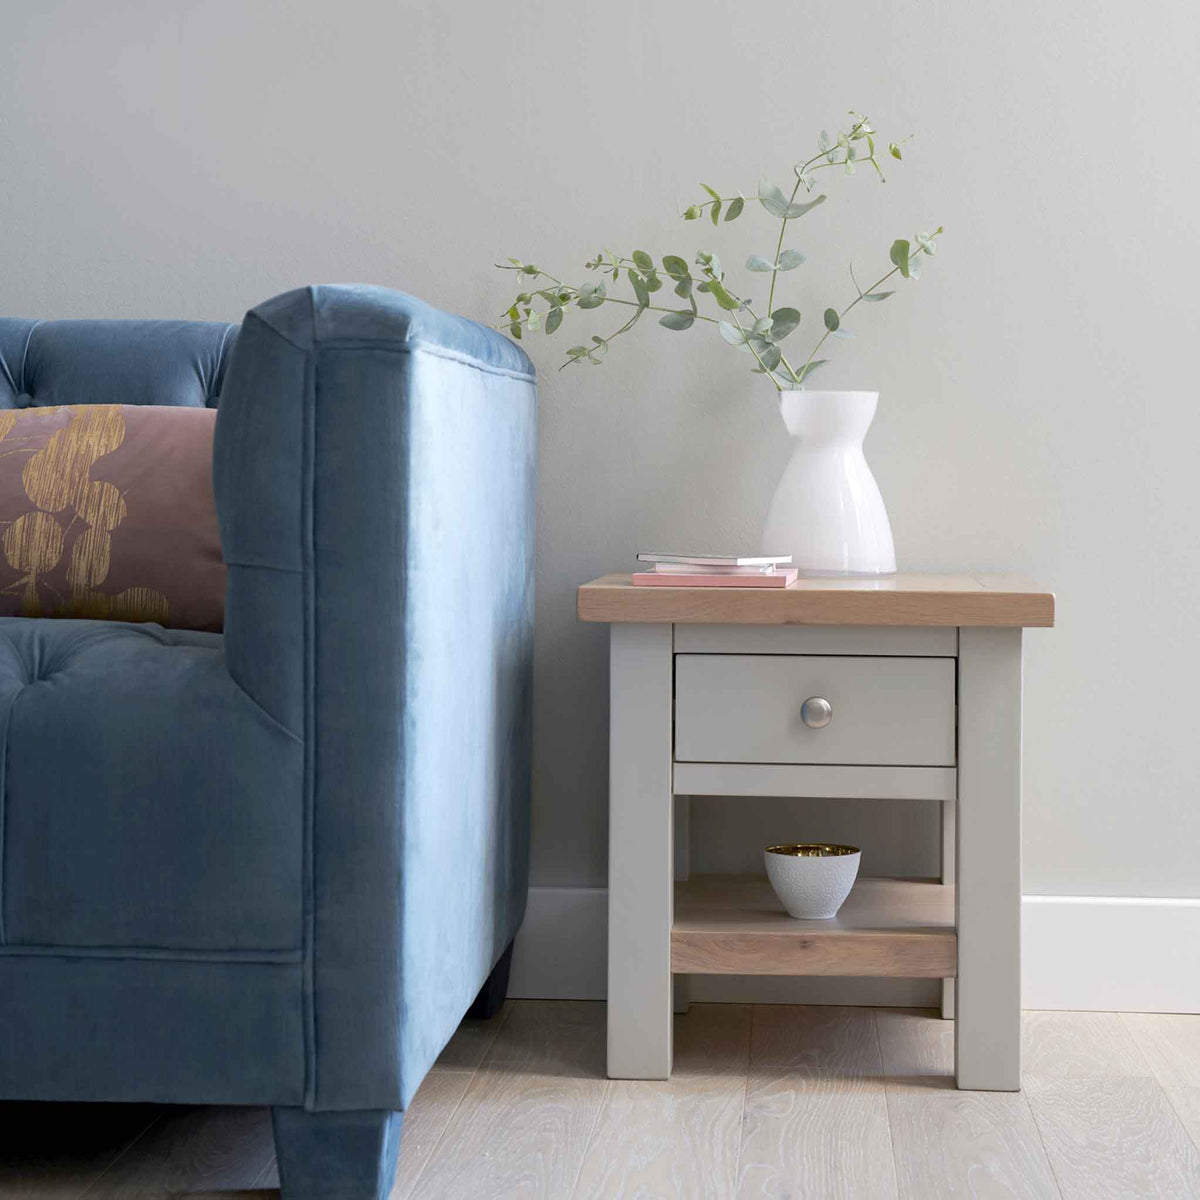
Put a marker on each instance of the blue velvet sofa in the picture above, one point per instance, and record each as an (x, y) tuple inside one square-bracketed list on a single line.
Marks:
[(276, 866)]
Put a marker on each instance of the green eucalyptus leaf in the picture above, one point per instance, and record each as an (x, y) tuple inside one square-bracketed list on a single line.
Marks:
[(757, 263), (675, 266), (721, 296), (514, 313), (691, 212), (577, 351), (823, 141), (591, 295), (731, 333), (789, 260), (714, 194), (772, 198), (735, 208), (798, 210), (875, 297), (926, 243), (716, 211), (762, 326), (515, 330), (832, 320), (894, 150), (703, 287), (553, 320), (653, 282), (899, 254), (914, 267), (677, 320), (783, 321), (683, 288), (770, 357), (643, 261), (639, 289), (534, 322)]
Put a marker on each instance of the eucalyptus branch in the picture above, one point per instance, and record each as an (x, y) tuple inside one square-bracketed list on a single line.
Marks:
[(905, 267), (548, 300)]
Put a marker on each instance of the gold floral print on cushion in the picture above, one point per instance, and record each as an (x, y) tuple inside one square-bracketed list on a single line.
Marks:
[(140, 543), (33, 543)]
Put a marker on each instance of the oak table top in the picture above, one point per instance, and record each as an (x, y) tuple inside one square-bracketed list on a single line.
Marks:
[(903, 599)]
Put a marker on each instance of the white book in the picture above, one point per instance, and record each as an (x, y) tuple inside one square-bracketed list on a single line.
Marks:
[(710, 561)]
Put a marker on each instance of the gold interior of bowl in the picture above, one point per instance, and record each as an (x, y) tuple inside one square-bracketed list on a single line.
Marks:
[(812, 850)]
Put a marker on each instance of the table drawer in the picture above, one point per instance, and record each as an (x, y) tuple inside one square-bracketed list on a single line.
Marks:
[(747, 708)]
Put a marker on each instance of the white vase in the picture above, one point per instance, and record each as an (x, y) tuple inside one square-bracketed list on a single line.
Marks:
[(827, 512)]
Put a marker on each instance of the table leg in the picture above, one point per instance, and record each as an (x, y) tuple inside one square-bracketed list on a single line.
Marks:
[(683, 815), (640, 851), (948, 848), (987, 1029)]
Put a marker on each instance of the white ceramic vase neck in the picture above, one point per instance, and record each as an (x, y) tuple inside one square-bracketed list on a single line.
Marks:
[(827, 511)]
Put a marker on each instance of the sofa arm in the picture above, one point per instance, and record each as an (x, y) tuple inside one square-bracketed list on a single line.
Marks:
[(374, 470)]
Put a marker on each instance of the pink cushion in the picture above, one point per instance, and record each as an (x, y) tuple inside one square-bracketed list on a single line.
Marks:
[(107, 512)]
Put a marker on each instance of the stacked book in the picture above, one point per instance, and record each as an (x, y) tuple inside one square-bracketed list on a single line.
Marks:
[(715, 570)]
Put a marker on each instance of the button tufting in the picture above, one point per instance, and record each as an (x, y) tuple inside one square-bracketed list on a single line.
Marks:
[(23, 400)]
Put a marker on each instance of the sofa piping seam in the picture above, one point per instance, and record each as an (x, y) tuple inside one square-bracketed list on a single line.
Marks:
[(263, 566), (399, 347), (308, 973), (220, 360), (276, 723), (153, 954), (431, 348), (23, 389)]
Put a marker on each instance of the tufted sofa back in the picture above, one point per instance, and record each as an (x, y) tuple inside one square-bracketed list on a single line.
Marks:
[(179, 363)]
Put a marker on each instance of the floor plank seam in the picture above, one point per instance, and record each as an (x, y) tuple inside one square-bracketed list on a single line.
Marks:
[(587, 1145), (1180, 1116), (1168, 1091), (412, 1189), (91, 1187), (1042, 1140), (264, 1175), (1137, 1045), (887, 1100), (737, 1165)]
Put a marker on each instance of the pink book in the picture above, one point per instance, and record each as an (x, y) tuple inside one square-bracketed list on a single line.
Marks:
[(777, 579)]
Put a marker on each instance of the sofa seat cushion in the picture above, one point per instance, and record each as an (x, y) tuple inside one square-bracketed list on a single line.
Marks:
[(147, 801)]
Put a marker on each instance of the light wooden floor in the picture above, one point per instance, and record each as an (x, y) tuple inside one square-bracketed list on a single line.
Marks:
[(770, 1101)]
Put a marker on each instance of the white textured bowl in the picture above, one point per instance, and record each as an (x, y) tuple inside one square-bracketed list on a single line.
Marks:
[(812, 879)]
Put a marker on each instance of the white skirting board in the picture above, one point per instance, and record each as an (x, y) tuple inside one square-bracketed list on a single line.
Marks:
[(1114, 953), (1131, 954)]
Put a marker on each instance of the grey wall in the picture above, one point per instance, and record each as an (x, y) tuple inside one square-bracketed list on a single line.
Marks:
[(1039, 409)]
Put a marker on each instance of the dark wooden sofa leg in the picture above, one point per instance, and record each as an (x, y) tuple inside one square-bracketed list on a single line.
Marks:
[(495, 991), (336, 1155)]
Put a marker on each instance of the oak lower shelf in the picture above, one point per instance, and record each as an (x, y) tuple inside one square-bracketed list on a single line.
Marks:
[(735, 925)]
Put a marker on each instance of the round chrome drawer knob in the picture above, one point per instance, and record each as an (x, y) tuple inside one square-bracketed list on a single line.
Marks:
[(816, 712)]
